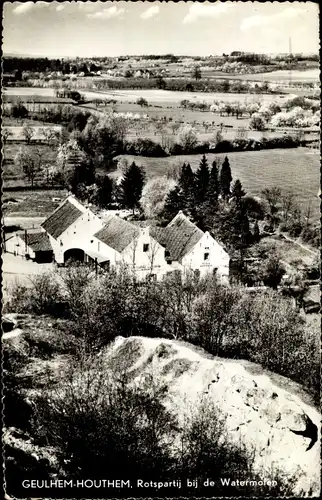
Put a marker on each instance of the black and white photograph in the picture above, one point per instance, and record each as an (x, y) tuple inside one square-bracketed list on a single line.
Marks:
[(161, 325)]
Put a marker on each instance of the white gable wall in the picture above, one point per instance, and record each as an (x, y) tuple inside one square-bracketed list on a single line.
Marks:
[(78, 235), (217, 258), (106, 252), (147, 262), (17, 246)]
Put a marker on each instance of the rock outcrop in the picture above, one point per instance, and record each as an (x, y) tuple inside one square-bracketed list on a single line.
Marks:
[(268, 413)]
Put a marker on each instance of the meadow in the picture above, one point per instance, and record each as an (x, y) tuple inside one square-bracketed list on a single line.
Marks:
[(29, 203), (12, 172), (295, 170), (153, 96)]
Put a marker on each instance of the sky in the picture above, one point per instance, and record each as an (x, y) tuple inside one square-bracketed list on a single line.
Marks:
[(87, 29)]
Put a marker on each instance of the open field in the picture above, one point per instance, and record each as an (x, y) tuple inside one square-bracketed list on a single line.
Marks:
[(156, 96), (31, 203), (296, 170)]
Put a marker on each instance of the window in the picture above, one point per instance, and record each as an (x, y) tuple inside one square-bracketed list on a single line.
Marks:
[(206, 256), (145, 247), (167, 253), (61, 243)]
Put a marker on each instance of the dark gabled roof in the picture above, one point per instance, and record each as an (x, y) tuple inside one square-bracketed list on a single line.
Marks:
[(179, 237), (39, 242), (117, 233), (61, 219)]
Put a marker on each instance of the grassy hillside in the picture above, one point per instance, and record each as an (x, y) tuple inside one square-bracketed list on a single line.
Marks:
[(296, 170)]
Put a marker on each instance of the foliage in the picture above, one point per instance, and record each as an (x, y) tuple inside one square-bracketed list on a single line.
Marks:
[(202, 180), (225, 178), (144, 147), (173, 203), (257, 122), (28, 133), (142, 102), (272, 271), (196, 73), (30, 162), (131, 186), (74, 166), (5, 133), (187, 138), (228, 321), (105, 191), (154, 195)]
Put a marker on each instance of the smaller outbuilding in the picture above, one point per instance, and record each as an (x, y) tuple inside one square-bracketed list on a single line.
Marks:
[(34, 246)]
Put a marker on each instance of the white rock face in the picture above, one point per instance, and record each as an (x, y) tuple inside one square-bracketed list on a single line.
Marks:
[(266, 412)]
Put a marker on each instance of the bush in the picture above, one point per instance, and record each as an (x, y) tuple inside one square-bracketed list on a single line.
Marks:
[(102, 423), (142, 102), (144, 147), (46, 294), (257, 122)]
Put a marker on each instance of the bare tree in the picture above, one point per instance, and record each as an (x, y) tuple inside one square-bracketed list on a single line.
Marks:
[(6, 133), (153, 250), (30, 163), (287, 204), (28, 133), (273, 199)]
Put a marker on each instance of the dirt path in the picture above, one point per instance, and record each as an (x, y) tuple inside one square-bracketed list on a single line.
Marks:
[(298, 243)]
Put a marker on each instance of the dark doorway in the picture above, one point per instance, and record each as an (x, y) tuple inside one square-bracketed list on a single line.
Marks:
[(74, 254), (44, 257)]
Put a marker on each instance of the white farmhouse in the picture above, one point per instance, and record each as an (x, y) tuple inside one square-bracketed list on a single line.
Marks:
[(32, 245), (75, 232)]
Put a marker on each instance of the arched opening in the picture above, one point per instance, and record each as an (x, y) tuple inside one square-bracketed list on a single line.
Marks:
[(74, 254)]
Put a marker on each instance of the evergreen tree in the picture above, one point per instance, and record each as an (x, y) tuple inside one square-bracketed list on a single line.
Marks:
[(104, 191), (202, 180), (186, 183), (225, 178), (256, 234), (131, 186), (214, 187), (237, 191), (173, 204), (231, 226)]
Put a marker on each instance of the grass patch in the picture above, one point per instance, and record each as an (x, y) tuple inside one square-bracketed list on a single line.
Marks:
[(33, 203), (295, 170)]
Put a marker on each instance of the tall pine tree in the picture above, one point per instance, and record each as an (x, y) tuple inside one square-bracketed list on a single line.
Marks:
[(131, 186), (202, 180), (225, 178), (104, 190), (187, 185), (237, 191), (214, 187), (173, 204)]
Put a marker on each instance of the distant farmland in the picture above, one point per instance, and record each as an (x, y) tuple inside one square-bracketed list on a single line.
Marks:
[(296, 170)]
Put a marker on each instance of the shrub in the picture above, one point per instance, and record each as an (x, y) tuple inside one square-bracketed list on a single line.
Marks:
[(144, 147), (142, 102), (102, 423), (187, 138), (257, 122), (154, 195), (46, 294)]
